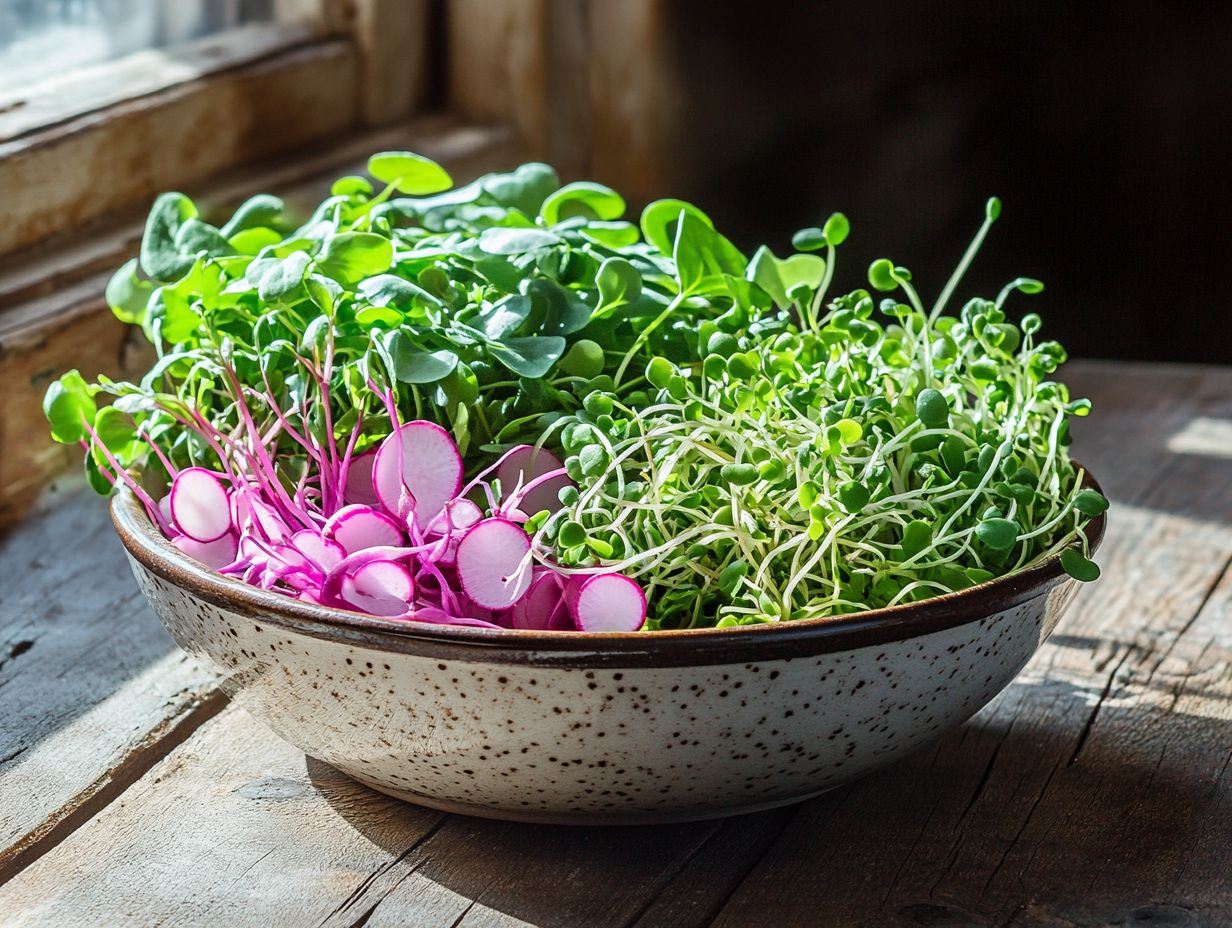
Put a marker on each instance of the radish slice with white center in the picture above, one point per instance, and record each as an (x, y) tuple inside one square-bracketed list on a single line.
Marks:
[(457, 514), (431, 472), (358, 487), (164, 506), (241, 515), (494, 565), (543, 607), (250, 513), (434, 615), (379, 588), (199, 505), (324, 552), (524, 465), (359, 527), (215, 554), (448, 527), (608, 603), (253, 550)]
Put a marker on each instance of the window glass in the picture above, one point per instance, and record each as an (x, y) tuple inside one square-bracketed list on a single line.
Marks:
[(45, 38)]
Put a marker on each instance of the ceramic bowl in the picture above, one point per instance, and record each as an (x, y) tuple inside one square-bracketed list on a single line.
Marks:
[(571, 727)]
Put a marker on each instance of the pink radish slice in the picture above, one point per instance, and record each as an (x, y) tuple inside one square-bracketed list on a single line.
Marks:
[(301, 581), (434, 615), (215, 554), (241, 515), (494, 565), (358, 527), (290, 557), (199, 505), (309, 596), (294, 568), (324, 552), (164, 506), (379, 588), (449, 526), (431, 471), (250, 513), (543, 606), (471, 609), (253, 550), (522, 466), (457, 514), (608, 603), (359, 487)]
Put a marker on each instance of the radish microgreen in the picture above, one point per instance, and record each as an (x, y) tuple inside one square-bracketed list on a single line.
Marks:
[(633, 401)]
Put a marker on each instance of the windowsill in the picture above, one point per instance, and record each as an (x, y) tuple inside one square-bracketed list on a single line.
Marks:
[(56, 101), (52, 314)]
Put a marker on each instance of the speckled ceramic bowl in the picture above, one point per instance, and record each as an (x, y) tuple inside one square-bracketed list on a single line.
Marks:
[(583, 728)]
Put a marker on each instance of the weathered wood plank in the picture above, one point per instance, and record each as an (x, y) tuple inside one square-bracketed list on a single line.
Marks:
[(78, 91), (587, 84), (241, 828), (67, 174), (636, 105), (497, 63), (393, 40), (235, 827), (92, 690), (1094, 790)]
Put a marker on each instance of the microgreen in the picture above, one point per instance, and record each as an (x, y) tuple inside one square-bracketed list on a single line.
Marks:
[(827, 462), (744, 449)]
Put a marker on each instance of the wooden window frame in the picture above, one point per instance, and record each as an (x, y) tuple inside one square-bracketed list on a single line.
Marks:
[(284, 109), (89, 143)]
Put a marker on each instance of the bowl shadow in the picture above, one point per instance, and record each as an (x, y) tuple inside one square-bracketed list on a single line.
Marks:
[(989, 819)]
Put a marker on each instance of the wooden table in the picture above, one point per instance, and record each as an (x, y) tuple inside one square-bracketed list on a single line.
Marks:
[(1095, 791)]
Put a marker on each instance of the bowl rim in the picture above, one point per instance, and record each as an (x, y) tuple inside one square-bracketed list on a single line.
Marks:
[(671, 647)]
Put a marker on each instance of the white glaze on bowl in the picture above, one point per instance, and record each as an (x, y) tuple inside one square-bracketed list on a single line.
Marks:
[(594, 729)]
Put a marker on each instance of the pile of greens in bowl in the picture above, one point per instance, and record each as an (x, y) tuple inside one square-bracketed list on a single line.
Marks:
[(506, 404)]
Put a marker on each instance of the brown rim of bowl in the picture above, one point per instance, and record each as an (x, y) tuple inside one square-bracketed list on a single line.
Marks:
[(800, 638)]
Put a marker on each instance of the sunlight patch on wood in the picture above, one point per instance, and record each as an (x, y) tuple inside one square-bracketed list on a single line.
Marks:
[(1203, 435)]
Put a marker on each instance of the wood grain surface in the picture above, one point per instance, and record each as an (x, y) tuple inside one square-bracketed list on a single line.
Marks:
[(1095, 791)]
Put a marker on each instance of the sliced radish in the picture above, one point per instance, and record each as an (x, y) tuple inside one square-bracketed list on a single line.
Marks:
[(527, 469), (324, 552), (608, 603), (449, 527), (164, 506), (494, 564), (457, 514), (434, 615), (199, 505), (253, 550), (543, 607), (431, 472), (250, 513), (472, 610), (358, 488), (215, 554), (358, 527), (379, 588)]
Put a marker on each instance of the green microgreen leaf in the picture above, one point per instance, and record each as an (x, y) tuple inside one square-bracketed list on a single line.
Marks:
[(350, 257), (408, 172), (582, 199)]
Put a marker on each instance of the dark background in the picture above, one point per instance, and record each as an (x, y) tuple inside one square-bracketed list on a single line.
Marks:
[(1105, 129)]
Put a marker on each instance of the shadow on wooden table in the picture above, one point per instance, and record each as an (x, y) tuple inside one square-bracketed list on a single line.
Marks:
[(1038, 815)]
